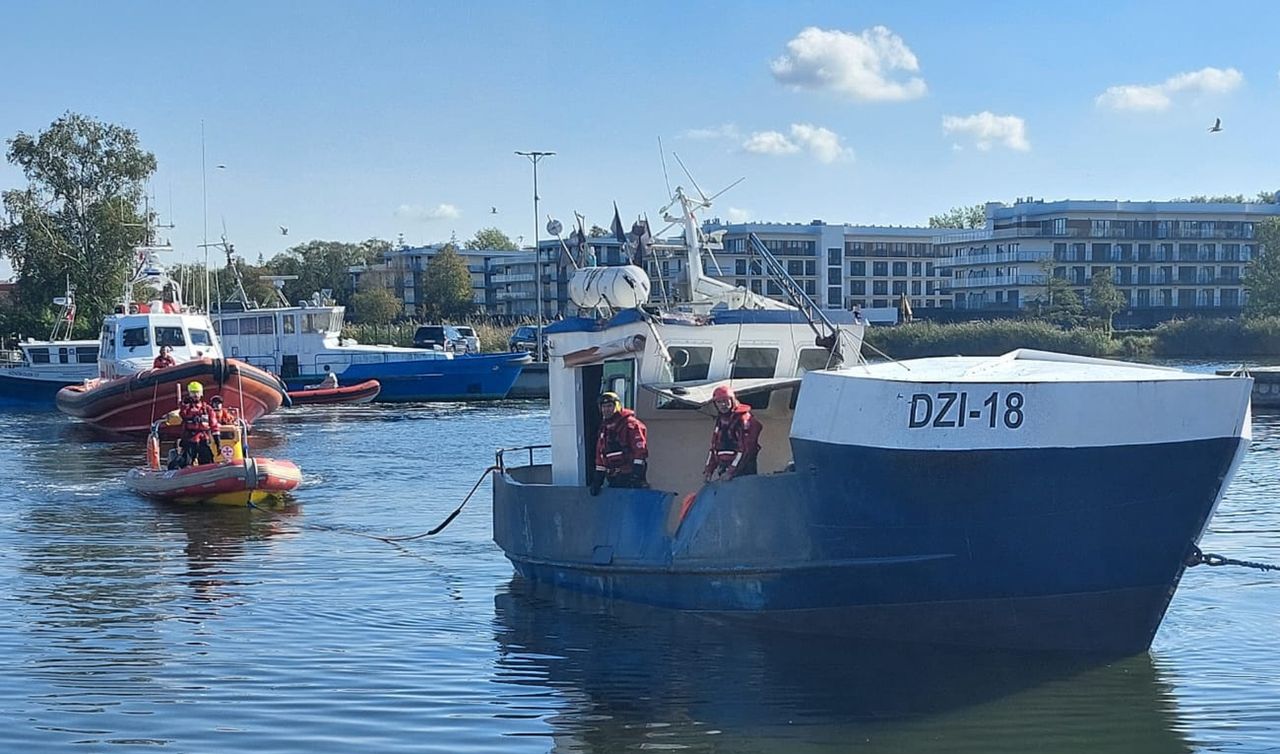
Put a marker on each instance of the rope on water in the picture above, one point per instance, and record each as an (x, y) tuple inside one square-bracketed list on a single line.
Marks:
[(1196, 557), (401, 538)]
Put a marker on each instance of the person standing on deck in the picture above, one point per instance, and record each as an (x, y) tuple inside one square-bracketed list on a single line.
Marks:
[(735, 441), (199, 426), (622, 447)]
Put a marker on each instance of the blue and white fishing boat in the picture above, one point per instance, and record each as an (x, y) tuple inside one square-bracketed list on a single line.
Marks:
[(1032, 500), (35, 370), (304, 343)]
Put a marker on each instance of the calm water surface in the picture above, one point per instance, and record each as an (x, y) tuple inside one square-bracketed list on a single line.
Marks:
[(128, 625)]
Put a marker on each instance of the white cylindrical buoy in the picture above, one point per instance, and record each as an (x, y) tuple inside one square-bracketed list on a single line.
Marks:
[(623, 287)]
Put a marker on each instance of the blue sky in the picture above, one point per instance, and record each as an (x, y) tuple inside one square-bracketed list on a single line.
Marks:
[(345, 121)]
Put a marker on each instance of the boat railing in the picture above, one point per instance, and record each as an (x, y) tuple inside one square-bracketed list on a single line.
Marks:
[(500, 459)]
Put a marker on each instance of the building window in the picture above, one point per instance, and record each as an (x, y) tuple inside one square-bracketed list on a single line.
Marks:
[(900, 269), (833, 296), (740, 267), (880, 269), (857, 287), (880, 287), (857, 269), (833, 257)]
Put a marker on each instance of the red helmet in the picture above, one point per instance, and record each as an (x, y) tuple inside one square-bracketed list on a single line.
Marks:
[(724, 393)]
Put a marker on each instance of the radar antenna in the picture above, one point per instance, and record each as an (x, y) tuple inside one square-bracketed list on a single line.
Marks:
[(277, 282)]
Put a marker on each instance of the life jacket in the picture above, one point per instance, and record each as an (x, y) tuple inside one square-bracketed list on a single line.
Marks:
[(198, 420), (622, 441), (734, 440)]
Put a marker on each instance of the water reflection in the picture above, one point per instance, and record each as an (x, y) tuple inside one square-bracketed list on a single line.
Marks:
[(626, 678)]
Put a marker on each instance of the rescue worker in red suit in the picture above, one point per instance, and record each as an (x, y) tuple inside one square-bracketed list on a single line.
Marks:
[(165, 359), (622, 447), (220, 412), (199, 427), (735, 441)]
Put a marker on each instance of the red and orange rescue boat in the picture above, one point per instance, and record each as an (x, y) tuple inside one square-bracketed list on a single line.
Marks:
[(361, 392)]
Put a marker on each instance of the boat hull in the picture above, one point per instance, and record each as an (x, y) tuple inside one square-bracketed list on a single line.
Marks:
[(257, 480), (18, 389), (950, 547), (463, 378), (130, 404), (363, 392)]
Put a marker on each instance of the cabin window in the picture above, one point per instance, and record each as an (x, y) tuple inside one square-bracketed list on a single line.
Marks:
[(248, 325), (170, 336), (689, 363), (266, 325), (754, 363), (133, 337), (812, 359), (286, 324), (38, 355), (619, 377), (309, 323), (200, 337), (230, 327), (63, 355), (87, 355)]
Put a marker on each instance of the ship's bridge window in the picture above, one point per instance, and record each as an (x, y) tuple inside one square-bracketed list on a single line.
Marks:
[(227, 327), (314, 322), (754, 362), (812, 359), (287, 325), (169, 336), (200, 337), (133, 337), (38, 355), (87, 355), (266, 325), (248, 325), (689, 363)]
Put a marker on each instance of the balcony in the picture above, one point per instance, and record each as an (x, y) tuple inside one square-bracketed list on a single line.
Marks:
[(994, 281), (992, 257), (513, 295), (982, 234), (517, 277)]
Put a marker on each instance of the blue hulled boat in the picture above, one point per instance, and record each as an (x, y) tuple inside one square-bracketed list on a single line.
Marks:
[(302, 344), (36, 370), (1031, 500)]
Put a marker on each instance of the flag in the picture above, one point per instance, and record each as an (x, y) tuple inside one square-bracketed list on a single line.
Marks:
[(904, 308), (644, 239)]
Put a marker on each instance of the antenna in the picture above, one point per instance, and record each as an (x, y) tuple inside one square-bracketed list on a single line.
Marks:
[(278, 281), (696, 187), (663, 156), (726, 188)]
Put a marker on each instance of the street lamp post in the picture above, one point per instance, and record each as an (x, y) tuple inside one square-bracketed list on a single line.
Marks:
[(537, 243)]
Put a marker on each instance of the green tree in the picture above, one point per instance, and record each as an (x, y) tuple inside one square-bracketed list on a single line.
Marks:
[(598, 232), (446, 286), (373, 304), (1262, 276), (1105, 300), (491, 238), (325, 265), (1058, 302), (974, 216), (77, 220)]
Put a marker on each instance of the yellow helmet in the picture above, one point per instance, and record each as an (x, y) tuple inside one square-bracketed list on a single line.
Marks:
[(195, 388), (611, 397)]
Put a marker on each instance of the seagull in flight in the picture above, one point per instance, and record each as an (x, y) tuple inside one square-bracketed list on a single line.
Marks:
[(1216, 127), (284, 231), (493, 210)]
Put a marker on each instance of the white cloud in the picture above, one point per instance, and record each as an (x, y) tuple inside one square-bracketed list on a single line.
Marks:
[(822, 143), (427, 214), (987, 129), (736, 215), (722, 131), (770, 142), (1156, 97), (858, 66)]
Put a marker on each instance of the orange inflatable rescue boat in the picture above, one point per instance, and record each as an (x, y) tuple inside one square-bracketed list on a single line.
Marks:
[(232, 479)]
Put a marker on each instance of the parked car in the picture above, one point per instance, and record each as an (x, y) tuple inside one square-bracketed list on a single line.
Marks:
[(468, 334), (525, 338), (443, 337)]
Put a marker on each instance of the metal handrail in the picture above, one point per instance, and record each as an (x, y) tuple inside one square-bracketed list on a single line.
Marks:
[(499, 458)]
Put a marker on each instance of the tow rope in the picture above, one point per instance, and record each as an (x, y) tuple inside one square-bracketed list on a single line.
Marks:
[(400, 538), (1196, 557)]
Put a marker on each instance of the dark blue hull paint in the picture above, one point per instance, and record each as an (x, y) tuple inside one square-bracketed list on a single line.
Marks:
[(464, 378), (1077, 549), (21, 391)]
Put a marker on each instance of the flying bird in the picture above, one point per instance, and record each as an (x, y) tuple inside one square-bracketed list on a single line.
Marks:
[(493, 210), (1216, 127), (284, 231)]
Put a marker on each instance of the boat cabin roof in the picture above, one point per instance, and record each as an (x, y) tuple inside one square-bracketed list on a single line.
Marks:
[(1022, 365)]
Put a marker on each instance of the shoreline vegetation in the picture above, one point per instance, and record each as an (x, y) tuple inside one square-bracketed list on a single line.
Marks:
[(1206, 339)]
